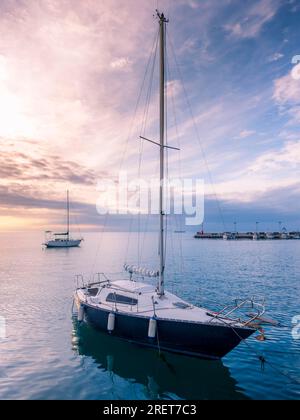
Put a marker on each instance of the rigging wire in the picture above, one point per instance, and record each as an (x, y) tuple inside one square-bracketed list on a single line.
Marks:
[(197, 134), (75, 218), (167, 198), (100, 243), (139, 213), (169, 195), (198, 137), (146, 230), (143, 131), (173, 107), (149, 68)]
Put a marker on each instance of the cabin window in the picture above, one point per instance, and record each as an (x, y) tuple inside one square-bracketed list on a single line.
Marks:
[(93, 292), (123, 300)]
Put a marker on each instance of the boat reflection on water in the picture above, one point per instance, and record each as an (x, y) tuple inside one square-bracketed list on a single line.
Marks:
[(164, 375)]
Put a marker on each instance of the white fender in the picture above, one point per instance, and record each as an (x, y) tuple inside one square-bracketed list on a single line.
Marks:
[(111, 322), (152, 328)]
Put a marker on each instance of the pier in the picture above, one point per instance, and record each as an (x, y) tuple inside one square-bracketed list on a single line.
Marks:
[(250, 236)]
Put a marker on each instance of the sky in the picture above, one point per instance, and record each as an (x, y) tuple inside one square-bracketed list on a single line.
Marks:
[(70, 76)]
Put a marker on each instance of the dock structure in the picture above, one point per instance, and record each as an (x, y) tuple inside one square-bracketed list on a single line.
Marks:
[(250, 236)]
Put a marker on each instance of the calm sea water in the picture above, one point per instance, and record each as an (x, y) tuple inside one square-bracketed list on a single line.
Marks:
[(46, 355)]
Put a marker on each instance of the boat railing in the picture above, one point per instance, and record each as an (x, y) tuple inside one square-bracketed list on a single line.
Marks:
[(228, 311), (101, 279), (79, 279)]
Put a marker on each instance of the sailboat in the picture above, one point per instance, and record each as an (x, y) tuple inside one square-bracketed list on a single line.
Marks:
[(62, 240), (150, 316)]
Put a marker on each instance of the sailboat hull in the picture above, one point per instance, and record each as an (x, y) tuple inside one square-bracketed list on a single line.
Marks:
[(190, 338), (63, 244)]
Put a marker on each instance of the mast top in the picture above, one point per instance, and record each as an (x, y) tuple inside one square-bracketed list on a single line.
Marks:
[(161, 17)]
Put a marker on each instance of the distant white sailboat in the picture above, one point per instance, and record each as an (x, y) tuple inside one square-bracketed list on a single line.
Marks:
[(62, 240)]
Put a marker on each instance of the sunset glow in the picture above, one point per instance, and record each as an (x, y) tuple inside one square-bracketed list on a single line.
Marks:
[(70, 73)]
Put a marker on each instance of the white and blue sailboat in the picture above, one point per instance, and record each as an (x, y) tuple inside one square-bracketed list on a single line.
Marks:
[(149, 315), (62, 240)]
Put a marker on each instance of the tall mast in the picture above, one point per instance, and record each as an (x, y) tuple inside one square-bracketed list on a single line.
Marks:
[(162, 25), (68, 215)]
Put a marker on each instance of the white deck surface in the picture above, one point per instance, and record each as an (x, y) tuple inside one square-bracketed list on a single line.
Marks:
[(165, 307)]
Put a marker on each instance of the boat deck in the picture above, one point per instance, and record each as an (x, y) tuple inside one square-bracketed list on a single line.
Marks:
[(168, 307)]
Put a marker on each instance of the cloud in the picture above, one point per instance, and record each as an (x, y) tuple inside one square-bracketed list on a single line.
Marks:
[(287, 89), (59, 85), (246, 133), (295, 6), (174, 88), (287, 97), (29, 166), (275, 57), (70, 74), (120, 63), (31, 207), (288, 157), (254, 16), (266, 208), (276, 168)]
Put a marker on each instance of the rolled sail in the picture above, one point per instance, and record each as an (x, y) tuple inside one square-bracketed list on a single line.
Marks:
[(140, 271)]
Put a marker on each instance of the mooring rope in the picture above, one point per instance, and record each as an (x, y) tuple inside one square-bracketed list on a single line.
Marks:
[(262, 358)]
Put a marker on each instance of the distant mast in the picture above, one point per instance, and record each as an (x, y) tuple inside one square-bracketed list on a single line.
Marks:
[(68, 216), (162, 37)]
